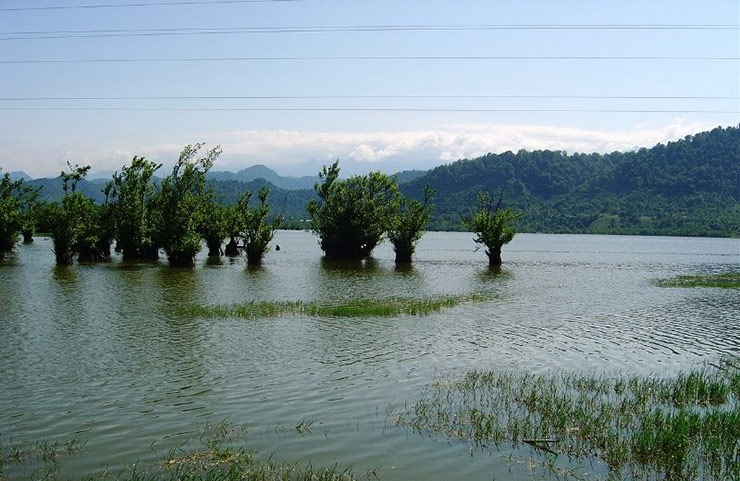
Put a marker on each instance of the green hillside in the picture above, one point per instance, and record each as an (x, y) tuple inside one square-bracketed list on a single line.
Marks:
[(687, 187)]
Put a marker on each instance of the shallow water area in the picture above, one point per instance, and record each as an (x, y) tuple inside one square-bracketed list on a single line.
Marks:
[(97, 352)]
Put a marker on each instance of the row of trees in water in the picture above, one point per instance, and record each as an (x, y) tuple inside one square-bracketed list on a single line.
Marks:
[(350, 216)]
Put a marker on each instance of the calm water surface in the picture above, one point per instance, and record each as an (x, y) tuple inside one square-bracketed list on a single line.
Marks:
[(95, 352)]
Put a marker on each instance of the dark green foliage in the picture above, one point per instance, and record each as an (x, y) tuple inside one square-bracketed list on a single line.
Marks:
[(180, 204), (351, 216), (687, 187), (213, 226), (16, 201), (409, 224), (256, 231), (76, 223), (131, 192), (493, 226)]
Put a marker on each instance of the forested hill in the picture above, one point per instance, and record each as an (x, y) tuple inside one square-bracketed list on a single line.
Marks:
[(687, 187)]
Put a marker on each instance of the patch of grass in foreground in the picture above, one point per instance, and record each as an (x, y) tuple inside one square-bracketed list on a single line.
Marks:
[(353, 308), (724, 281), (682, 428), (216, 462)]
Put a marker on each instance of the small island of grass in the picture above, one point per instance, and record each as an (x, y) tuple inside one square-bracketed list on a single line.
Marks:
[(728, 280), (387, 307)]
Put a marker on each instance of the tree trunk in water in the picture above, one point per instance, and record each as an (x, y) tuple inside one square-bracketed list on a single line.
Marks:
[(232, 248), (403, 256), (64, 258), (27, 237), (494, 257), (181, 259), (254, 258), (214, 250)]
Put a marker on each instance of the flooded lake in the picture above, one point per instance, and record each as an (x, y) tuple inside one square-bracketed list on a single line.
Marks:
[(97, 353)]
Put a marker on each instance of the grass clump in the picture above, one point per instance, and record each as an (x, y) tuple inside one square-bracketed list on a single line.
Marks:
[(728, 280), (388, 307), (221, 460), (686, 427)]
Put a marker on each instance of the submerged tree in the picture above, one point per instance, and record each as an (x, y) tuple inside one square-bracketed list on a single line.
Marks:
[(493, 225), (15, 203), (213, 226), (131, 192), (409, 224), (256, 230), (75, 225), (351, 216), (180, 204)]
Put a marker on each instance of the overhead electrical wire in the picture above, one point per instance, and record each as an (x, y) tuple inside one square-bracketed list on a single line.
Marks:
[(326, 97), (58, 34), (364, 109), (367, 57), (138, 5)]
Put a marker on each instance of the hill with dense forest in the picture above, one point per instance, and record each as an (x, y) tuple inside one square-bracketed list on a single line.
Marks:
[(687, 187)]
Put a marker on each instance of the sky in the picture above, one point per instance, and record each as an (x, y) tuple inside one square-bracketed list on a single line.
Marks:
[(379, 85)]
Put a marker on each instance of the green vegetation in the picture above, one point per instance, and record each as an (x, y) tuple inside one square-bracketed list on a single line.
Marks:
[(16, 201), (131, 192), (76, 223), (218, 460), (730, 280), (254, 228), (179, 206), (685, 427), (493, 226), (389, 307), (351, 216), (689, 187), (408, 225)]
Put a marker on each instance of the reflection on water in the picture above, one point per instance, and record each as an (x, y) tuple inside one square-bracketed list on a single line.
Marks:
[(98, 352)]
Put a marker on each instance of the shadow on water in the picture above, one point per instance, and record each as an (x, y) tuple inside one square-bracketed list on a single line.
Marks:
[(333, 265), (214, 261)]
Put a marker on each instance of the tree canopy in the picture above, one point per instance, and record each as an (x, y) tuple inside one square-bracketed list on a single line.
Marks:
[(352, 215)]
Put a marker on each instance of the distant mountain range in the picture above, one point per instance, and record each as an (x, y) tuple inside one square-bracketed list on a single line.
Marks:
[(688, 187)]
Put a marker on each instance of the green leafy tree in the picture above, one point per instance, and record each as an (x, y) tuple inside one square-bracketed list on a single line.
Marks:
[(180, 205), (213, 226), (131, 192), (493, 225), (409, 224), (351, 216), (15, 202), (256, 230), (75, 226)]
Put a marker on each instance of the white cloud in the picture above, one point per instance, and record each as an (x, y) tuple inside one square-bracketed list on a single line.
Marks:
[(402, 149)]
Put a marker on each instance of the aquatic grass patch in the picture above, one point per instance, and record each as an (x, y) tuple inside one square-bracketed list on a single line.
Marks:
[(729, 280), (684, 427), (385, 307), (43, 453), (221, 459)]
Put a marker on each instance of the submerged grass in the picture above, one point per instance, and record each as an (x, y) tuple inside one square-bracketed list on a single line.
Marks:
[(386, 307), (219, 460), (725, 281), (685, 427)]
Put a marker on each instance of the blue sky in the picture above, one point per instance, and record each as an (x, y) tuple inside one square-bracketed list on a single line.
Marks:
[(111, 125)]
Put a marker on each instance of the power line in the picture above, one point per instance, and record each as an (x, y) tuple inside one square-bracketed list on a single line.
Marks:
[(345, 97), (353, 109), (365, 57), (57, 34), (138, 4)]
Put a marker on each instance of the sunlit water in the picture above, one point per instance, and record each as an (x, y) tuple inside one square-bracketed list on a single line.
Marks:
[(95, 352)]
